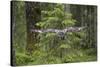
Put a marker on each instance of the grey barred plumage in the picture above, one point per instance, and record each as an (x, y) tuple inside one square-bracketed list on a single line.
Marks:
[(59, 32), (67, 29)]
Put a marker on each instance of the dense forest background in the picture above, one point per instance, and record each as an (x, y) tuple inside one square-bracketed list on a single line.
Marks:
[(34, 48)]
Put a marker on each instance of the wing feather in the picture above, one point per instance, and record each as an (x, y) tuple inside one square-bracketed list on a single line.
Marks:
[(34, 30), (68, 29), (74, 29), (47, 30)]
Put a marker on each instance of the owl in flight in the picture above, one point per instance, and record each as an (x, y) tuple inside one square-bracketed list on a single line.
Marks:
[(59, 32)]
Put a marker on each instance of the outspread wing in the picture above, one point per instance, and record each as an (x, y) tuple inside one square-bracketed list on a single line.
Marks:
[(34, 30), (68, 29), (47, 30), (73, 29)]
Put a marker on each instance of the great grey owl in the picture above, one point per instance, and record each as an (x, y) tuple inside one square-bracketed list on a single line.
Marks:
[(60, 32)]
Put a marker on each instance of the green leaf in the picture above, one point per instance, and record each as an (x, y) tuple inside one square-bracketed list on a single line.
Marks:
[(68, 22), (65, 46)]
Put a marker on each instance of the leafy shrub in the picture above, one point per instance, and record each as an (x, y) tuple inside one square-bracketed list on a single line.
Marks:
[(22, 59)]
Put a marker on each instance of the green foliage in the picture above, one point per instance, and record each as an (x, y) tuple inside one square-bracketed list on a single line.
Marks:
[(50, 42), (65, 46), (79, 56), (22, 59), (56, 18), (50, 48)]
